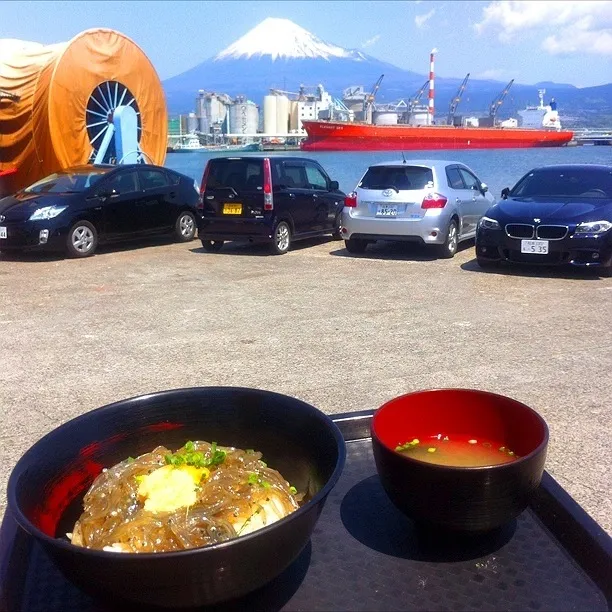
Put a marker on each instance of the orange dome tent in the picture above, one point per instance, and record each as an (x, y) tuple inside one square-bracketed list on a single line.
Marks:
[(56, 102)]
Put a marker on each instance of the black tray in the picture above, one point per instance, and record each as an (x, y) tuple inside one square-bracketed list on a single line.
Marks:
[(365, 555)]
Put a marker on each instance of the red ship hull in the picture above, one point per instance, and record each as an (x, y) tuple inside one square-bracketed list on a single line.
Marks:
[(342, 136)]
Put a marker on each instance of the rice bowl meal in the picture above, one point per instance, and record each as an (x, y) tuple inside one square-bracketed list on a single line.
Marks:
[(201, 494)]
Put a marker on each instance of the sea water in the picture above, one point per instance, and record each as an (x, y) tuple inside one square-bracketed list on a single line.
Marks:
[(498, 168)]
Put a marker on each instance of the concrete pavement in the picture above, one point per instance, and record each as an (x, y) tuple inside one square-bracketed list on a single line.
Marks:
[(341, 332)]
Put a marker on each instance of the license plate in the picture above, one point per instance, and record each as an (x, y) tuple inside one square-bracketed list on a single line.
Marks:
[(3, 232), (539, 247), (386, 210), (232, 208)]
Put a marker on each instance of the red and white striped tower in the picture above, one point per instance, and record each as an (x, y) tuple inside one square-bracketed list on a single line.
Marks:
[(431, 86)]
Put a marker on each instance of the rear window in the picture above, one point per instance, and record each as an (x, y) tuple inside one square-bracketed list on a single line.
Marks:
[(237, 174), (565, 182), (398, 177)]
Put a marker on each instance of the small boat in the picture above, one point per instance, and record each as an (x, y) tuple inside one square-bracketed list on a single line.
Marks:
[(189, 142)]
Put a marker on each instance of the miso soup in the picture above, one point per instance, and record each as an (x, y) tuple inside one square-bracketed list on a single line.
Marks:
[(457, 450)]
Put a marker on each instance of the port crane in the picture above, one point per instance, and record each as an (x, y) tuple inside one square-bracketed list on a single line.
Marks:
[(368, 101), (499, 100), (414, 101), (455, 101)]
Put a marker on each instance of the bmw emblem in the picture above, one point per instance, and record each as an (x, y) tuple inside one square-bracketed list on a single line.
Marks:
[(387, 193)]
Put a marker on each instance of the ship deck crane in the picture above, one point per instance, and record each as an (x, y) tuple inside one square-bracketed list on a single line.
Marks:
[(414, 101), (499, 100), (455, 101), (368, 102)]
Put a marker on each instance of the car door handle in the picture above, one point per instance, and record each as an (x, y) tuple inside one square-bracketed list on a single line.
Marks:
[(315, 196), (458, 200), (292, 196), (173, 194)]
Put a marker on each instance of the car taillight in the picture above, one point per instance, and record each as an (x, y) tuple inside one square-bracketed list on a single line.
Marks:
[(267, 185), (203, 186), (434, 200), (350, 201)]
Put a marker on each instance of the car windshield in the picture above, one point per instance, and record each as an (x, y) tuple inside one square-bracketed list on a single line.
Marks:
[(66, 182), (396, 177), (565, 182)]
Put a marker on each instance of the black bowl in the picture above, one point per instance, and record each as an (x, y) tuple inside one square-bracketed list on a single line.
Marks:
[(468, 499), (46, 488)]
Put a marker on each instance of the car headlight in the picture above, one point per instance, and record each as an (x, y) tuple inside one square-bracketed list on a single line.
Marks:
[(488, 223), (593, 227), (47, 212)]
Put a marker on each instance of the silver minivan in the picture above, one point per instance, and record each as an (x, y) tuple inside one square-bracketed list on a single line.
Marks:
[(432, 202)]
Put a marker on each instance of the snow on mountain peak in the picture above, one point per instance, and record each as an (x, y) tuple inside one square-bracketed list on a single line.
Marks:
[(281, 38)]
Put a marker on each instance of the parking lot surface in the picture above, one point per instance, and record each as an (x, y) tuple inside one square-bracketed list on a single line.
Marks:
[(341, 332)]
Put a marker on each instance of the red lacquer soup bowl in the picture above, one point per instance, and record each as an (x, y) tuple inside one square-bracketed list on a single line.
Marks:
[(459, 497)]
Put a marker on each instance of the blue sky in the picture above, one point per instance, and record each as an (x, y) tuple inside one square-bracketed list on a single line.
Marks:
[(532, 41)]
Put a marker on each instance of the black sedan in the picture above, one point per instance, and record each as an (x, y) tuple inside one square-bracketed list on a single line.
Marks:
[(559, 214), (76, 209)]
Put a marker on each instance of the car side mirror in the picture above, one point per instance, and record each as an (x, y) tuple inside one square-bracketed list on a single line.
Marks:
[(334, 185), (103, 195), (484, 187), (505, 193)]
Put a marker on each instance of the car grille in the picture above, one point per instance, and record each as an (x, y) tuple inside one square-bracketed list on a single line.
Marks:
[(519, 230), (551, 232), (543, 232)]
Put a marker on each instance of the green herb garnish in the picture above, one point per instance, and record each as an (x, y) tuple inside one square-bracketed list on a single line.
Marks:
[(253, 478), (256, 479), (292, 490), (197, 459), (407, 445)]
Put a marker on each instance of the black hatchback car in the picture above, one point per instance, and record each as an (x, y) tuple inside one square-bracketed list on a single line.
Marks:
[(274, 200), (558, 214), (76, 209)]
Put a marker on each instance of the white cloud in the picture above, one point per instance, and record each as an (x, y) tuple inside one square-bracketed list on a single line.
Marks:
[(421, 20), (565, 27), (370, 41), (493, 74)]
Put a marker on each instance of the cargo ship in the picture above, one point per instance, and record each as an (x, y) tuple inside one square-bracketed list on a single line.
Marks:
[(381, 130), (345, 136)]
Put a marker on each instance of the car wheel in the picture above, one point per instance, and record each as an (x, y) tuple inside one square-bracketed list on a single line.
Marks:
[(281, 239), (212, 246), (337, 235), (82, 239), (449, 248), (185, 226), (487, 263), (355, 245)]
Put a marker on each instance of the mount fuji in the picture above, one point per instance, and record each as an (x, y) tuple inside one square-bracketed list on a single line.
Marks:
[(280, 54)]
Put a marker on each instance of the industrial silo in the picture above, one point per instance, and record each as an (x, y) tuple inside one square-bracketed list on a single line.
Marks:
[(192, 123), (294, 118), (282, 114), (244, 117), (385, 118), (63, 101), (269, 112)]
